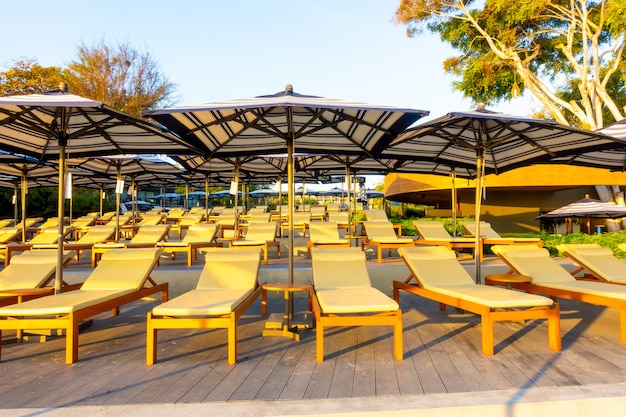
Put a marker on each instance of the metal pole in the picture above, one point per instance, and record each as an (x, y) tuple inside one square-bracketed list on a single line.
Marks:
[(477, 201), (453, 178), (60, 212)]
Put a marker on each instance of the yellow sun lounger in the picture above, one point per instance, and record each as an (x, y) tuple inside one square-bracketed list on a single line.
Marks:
[(598, 262), (105, 289), (381, 234), (550, 278), (147, 237), (344, 296), (433, 233), (491, 237), (325, 234), (227, 287), (95, 235), (199, 235), (29, 271), (440, 277), (48, 236), (261, 235)]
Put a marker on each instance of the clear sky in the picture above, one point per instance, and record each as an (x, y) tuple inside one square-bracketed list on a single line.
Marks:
[(222, 50)]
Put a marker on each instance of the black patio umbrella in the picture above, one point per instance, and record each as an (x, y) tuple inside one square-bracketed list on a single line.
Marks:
[(49, 125), (587, 208), (490, 142), (286, 123)]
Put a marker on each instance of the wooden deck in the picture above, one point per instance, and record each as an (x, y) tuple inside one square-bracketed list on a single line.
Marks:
[(441, 349)]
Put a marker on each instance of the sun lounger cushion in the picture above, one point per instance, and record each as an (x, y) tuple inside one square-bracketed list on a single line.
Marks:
[(599, 260), (63, 303), (200, 302), (231, 277), (383, 232), (342, 284), (115, 268), (30, 269), (536, 263), (437, 269)]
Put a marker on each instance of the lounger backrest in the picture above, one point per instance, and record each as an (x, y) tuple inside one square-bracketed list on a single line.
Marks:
[(334, 207), (339, 268), (150, 233), (123, 269), (30, 269), (534, 262), (230, 269), (151, 220), (190, 219), (435, 266), (97, 234), (597, 259), (49, 235), (7, 234), (485, 229), (318, 210), (323, 231), (261, 231), (301, 217), (378, 230), (260, 217), (226, 218), (376, 216), (431, 230), (339, 217), (200, 232)]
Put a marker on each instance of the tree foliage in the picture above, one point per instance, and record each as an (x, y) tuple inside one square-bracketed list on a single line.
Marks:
[(26, 76), (121, 76), (568, 53)]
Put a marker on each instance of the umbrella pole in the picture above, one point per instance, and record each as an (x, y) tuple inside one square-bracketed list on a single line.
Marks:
[(118, 190), (477, 201), (350, 232), (290, 203), (453, 177), (24, 192), (60, 209), (101, 197), (15, 204), (206, 198)]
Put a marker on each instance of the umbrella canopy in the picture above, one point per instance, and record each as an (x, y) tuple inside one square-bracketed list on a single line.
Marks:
[(587, 208), (47, 125), (369, 193), (490, 142), (613, 159), (285, 123)]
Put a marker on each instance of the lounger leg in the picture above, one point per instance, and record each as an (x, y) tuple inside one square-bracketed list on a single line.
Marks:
[(487, 334), (397, 338), (232, 340), (151, 341), (71, 341), (554, 329), (319, 342), (380, 255), (622, 326), (263, 302), (265, 255)]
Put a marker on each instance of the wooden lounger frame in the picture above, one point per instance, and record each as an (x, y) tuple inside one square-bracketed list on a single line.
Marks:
[(323, 320), (488, 315), (71, 321), (226, 321)]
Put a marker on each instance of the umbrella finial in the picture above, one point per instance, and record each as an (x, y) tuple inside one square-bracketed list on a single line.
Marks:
[(63, 86), (289, 88)]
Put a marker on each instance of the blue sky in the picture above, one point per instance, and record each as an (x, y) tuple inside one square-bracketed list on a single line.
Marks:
[(222, 50)]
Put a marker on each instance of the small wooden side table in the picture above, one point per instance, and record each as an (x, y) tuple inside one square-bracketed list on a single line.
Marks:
[(507, 279), (287, 329)]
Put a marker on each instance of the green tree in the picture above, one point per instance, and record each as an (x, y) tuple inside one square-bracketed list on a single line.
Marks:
[(121, 76), (568, 53), (26, 76)]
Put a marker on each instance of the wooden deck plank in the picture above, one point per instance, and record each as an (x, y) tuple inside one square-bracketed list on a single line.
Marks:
[(442, 354), (365, 372)]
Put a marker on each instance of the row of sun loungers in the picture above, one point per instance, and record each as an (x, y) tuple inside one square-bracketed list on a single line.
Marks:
[(341, 293)]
